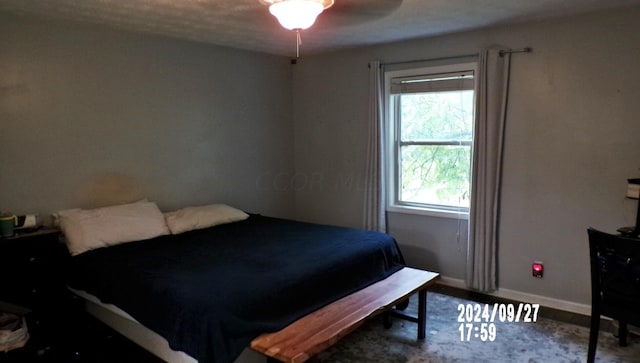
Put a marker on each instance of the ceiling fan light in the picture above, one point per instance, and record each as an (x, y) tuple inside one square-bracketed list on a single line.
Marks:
[(296, 14)]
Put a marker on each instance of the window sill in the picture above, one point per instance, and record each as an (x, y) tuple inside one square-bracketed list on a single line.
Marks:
[(428, 212)]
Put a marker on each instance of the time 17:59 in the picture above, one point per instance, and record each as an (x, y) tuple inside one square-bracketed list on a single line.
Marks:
[(484, 332)]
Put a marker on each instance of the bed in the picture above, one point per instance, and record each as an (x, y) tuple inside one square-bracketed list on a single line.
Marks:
[(210, 291)]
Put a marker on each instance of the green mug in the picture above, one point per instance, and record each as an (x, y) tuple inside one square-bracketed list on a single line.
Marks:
[(7, 223)]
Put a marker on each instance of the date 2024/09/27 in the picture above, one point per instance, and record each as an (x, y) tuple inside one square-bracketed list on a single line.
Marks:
[(477, 321)]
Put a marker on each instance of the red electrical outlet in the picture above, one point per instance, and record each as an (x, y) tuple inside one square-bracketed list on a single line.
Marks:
[(537, 269)]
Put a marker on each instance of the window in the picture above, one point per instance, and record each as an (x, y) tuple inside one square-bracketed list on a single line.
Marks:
[(430, 127)]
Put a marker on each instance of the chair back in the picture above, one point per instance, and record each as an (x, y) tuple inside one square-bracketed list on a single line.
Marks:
[(615, 275)]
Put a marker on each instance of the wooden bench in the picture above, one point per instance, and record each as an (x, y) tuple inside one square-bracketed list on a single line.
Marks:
[(321, 329)]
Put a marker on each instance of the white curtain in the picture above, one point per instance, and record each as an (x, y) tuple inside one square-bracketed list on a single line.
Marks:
[(374, 199), (491, 107)]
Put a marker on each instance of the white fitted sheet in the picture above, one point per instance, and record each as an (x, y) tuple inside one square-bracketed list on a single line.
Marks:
[(125, 324)]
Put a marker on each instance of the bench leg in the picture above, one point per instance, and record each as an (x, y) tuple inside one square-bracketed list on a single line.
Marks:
[(421, 320), (422, 314), (387, 320)]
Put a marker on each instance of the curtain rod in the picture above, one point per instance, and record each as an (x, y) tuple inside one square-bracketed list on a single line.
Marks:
[(430, 59), (501, 53)]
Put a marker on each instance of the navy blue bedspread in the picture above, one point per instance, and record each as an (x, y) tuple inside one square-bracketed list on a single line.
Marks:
[(210, 292)]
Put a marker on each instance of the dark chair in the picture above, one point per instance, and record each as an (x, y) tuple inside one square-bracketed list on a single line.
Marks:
[(615, 283)]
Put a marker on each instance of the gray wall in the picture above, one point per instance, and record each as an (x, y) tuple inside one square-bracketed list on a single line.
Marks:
[(571, 143), (91, 116)]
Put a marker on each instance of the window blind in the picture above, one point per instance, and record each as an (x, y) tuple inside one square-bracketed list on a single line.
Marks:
[(442, 82)]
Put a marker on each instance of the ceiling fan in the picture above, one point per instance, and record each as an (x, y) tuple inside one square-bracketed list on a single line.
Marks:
[(298, 15)]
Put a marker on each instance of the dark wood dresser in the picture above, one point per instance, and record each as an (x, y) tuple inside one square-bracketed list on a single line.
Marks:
[(32, 266)]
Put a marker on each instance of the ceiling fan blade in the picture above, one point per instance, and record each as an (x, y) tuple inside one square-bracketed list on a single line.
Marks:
[(345, 12)]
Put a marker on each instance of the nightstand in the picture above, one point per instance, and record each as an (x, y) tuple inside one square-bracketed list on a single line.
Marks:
[(32, 266)]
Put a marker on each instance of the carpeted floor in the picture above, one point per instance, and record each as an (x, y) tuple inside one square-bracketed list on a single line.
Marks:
[(545, 340)]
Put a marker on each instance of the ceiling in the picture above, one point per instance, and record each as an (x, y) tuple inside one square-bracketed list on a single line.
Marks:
[(247, 24)]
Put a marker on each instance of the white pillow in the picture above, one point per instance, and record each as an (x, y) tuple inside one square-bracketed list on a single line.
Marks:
[(94, 228), (190, 218)]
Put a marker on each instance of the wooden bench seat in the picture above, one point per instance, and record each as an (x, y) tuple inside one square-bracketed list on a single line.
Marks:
[(319, 330)]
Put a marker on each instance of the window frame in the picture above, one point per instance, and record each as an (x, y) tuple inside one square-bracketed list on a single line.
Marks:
[(393, 143)]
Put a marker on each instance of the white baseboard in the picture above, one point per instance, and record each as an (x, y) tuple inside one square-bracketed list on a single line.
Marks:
[(553, 303)]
